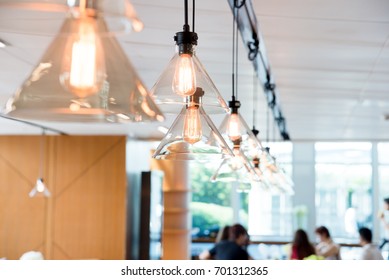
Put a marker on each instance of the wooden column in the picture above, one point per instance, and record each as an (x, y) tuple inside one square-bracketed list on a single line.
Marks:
[(176, 238)]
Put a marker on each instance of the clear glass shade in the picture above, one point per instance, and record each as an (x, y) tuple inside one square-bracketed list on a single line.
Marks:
[(280, 182), (235, 169), (120, 15), (193, 136), (40, 189), (170, 96), (235, 128), (84, 76)]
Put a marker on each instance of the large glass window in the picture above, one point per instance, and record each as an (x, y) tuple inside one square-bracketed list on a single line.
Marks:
[(270, 215), (383, 181), (211, 202), (383, 168), (344, 187)]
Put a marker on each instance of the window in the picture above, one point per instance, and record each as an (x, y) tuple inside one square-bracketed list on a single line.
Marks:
[(211, 202), (383, 169), (344, 187)]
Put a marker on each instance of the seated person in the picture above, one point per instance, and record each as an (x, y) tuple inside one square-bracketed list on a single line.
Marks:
[(301, 247), (326, 247), (231, 249), (369, 251)]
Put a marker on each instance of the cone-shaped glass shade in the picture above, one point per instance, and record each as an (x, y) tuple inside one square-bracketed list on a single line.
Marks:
[(279, 180), (119, 14), (193, 136), (170, 101), (237, 168), (235, 128), (39, 189), (84, 76)]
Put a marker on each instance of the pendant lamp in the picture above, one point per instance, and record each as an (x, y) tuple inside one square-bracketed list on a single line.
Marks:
[(184, 74), (235, 169), (84, 76), (235, 131), (275, 174), (193, 136), (185, 86), (40, 189)]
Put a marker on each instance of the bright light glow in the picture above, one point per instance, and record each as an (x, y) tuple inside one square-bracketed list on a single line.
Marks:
[(40, 187), (184, 80), (2, 44), (192, 125), (83, 68), (236, 162), (233, 127)]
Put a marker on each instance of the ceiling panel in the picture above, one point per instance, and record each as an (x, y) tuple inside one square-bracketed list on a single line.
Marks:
[(330, 60)]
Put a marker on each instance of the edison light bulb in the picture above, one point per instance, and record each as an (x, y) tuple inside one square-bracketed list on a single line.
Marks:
[(192, 125), (184, 80), (83, 67), (233, 127)]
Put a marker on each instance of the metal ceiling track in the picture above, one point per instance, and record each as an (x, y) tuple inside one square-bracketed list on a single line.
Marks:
[(253, 41)]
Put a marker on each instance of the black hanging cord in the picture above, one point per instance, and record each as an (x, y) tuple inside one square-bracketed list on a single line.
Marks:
[(186, 14), (255, 89), (193, 16), (236, 53), (233, 55)]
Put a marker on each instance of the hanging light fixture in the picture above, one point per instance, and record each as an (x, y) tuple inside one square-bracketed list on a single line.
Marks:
[(85, 75), (184, 74), (40, 189), (193, 136), (186, 85), (280, 182), (235, 130)]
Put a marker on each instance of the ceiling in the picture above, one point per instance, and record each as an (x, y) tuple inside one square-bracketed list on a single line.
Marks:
[(330, 60)]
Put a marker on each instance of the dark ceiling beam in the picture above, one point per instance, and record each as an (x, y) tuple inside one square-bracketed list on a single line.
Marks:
[(256, 51)]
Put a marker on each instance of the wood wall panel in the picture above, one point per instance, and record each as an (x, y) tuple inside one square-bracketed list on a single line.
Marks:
[(22, 220), (85, 216)]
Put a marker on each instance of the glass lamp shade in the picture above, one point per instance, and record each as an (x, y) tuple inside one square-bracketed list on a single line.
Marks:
[(260, 180), (235, 169), (193, 136), (235, 128), (40, 189), (279, 180), (170, 101), (120, 15), (84, 76)]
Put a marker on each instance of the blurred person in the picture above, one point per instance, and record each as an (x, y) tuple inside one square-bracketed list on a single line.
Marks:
[(369, 251), (222, 234), (384, 217), (326, 248), (232, 249), (301, 247)]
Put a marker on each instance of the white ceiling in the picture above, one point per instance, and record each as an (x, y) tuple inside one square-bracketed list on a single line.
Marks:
[(330, 60)]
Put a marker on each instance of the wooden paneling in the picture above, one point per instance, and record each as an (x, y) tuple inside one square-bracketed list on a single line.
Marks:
[(85, 216), (22, 220)]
